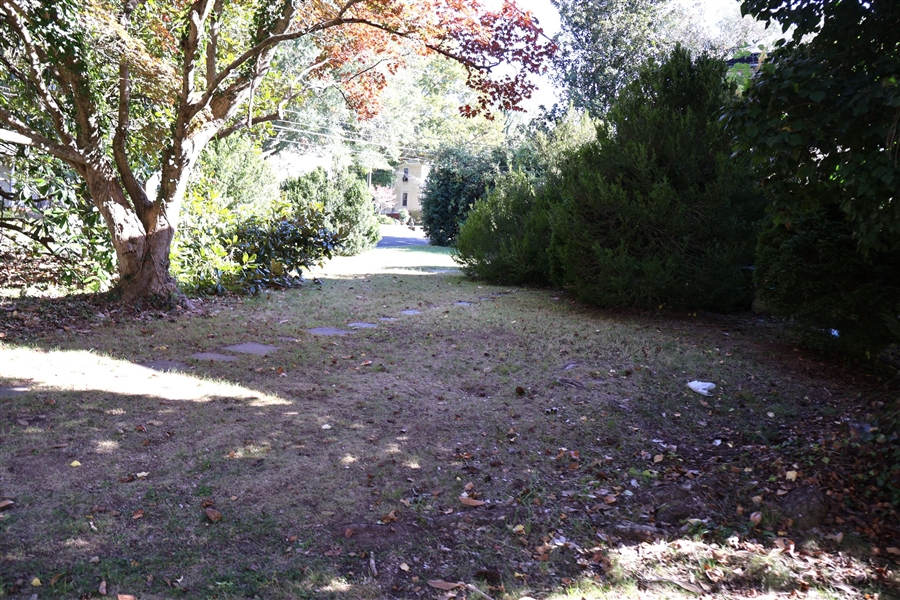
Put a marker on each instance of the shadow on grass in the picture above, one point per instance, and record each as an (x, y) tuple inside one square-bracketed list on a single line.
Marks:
[(361, 450)]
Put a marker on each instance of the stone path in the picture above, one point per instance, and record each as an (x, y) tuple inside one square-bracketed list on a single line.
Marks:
[(256, 348)]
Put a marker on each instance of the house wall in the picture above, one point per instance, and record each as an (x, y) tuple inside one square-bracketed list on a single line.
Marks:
[(411, 183)]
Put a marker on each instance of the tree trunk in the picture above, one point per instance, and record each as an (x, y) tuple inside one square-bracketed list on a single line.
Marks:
[(142, 244)]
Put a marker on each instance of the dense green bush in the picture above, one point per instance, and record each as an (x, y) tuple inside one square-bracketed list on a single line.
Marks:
[(275, 253), (656, 212), (48, 221), (216, 252), (237, 233), (347, 205), (840, 299), (505, 235), (458, 179)]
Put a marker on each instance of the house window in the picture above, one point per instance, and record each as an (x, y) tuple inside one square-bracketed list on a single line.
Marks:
[(405, 198), (406, 174)]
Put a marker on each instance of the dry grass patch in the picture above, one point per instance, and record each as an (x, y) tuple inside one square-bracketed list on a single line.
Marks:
[(505, 437)]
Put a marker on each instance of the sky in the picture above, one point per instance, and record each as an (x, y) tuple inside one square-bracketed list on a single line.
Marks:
[(548, 17)]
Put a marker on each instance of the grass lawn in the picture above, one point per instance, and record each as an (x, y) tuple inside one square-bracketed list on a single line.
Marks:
[(475, 441)]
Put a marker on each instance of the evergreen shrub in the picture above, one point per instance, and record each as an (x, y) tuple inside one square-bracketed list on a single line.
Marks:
[(840, 300), (347, 205), (656, 212), (459, 178), (505, 235)]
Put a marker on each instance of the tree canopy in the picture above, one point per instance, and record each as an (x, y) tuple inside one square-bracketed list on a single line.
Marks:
[(120, 90), (820, 119)]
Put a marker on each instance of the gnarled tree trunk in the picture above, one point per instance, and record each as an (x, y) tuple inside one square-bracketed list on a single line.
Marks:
[(142, 244)]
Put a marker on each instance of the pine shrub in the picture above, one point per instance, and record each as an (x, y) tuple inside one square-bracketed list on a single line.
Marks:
[(656, 212), (839, 299)]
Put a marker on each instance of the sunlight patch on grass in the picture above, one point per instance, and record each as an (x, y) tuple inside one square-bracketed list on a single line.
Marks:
[(105, 446), (82, 370), (337, 585), (418, 260)]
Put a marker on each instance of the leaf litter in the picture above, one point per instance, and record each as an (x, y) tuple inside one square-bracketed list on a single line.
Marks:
[(453, 464)]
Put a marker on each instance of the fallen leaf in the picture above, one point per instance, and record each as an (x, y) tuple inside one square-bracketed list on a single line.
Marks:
[(125, 597), (326, 426), (74, 463), (784, 544), (755, 518), (102, 588), (94, 559), (126, 479), (468, 487), (444, 585), (6, 504), (348, 533), (36, 582), (520, 391), (791, 475), (658, 458), (138, 514), (471, 501), (893, 550), (404, 567), (280, 371), (390, 517), (213, 515), (757, 499), (142, 474), (366, 363), (610, 499), (207, 503)]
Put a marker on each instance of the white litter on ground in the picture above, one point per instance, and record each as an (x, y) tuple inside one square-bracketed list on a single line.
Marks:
[(702, 387)]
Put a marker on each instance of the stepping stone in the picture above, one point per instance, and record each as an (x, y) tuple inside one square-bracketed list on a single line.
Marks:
[(463, 303), (213, 356), (251, 348), (362, 325), (13, 391), (166, 365), (386, 319), (327, 331), (410, 311)]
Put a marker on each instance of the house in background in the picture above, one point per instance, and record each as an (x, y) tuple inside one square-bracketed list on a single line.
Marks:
[(409, 182)]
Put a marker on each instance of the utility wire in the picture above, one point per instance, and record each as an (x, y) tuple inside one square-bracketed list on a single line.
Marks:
[(343, 138)]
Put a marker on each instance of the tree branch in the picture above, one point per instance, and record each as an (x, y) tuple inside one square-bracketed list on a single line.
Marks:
[(35, 79), (135, 191), (197, 16), (242, 123), (213, 44), (66, 153), (32, 235)]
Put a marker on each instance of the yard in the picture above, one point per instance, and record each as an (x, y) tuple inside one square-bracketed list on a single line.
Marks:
[(400, 431)]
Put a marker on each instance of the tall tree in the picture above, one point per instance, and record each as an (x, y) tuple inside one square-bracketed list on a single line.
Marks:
[(821, 120), (603, 44), (121, 89)]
